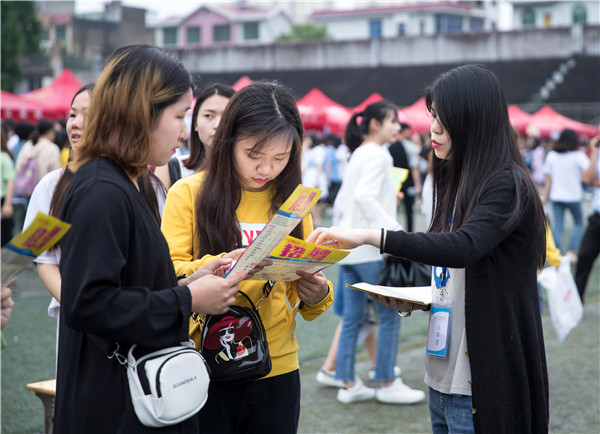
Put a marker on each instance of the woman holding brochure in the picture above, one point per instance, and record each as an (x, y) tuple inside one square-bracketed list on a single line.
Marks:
[(118, 281), (253, 168), (486, 242)]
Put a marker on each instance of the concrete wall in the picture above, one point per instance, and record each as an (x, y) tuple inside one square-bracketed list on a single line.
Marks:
[(403, 51)]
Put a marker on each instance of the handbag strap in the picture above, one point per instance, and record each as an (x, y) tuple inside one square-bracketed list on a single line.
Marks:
[(266, 291)]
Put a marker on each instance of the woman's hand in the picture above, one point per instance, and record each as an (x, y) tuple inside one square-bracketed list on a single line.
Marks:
[(7, 210), (344, 238), (396, 304), (218, 267), (237, 253), (312, 288), (214, 295)]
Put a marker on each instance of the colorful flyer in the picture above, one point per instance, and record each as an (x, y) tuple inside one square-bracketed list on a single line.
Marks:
[(43, 233), (293, 254), (288, 253)]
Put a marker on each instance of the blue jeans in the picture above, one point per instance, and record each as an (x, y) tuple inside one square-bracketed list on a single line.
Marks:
[(450, 413), (558, 211), (353, 315)]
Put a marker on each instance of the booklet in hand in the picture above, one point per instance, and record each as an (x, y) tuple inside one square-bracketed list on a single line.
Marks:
[(43, 232), (288, 254), (413, 294)]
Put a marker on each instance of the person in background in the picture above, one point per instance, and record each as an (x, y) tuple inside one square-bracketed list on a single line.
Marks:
[(333, 166), (42, 147), (253, 169), (485, 357), (406, 155), (207, 113), (7, 188), (563, 168), (590, 243), (61, 138), (118, 286), (368, 198), (313, 172)]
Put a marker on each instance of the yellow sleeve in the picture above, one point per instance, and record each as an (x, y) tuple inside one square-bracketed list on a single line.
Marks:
[(552, 253), (309, 311), (179, 224)]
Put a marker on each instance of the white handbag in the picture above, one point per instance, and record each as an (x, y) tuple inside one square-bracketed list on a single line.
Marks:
[(167, 386)]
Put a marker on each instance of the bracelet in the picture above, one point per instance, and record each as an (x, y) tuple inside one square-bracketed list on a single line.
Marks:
[(406, 314), (382, 241)]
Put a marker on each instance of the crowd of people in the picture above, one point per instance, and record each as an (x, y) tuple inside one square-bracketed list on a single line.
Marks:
[(163, 223)]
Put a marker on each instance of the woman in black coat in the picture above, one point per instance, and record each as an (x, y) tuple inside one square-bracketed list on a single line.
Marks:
[(485, 358), (118, 282)]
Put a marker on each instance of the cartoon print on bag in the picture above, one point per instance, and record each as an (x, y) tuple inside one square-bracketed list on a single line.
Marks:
[(232, 335)]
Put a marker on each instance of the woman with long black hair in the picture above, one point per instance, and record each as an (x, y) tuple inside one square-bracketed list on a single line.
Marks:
[(485, 359)]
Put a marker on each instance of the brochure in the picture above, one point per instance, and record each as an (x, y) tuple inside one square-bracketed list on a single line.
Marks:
[(399, 175), (413, 294), (43, 232), (288, 253)]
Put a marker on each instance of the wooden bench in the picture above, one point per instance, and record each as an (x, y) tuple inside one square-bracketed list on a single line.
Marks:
[(46, 391)]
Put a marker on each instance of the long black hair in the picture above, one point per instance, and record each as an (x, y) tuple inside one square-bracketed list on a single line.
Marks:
[(264, 111), (355, 133), (197, 148), (471, 106)]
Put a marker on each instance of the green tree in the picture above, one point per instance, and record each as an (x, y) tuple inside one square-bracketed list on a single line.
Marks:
[(305, 32), (21, 33)]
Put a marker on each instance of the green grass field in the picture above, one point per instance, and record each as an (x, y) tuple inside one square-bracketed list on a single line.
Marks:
[(31, 338)]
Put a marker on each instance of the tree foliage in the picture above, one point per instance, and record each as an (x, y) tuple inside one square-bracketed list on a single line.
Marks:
[(305, 32), (21, 33)]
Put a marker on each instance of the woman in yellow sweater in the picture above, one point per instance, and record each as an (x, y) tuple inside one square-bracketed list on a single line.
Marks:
[(254, 166)]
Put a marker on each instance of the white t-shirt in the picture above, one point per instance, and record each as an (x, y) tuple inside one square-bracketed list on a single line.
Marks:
[(40, 202), (565, 169), (367, 197)]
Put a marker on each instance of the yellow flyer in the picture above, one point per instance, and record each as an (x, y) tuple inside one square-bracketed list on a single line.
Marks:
[(293, 254), (275, 232), (399, 175), (43, 233)]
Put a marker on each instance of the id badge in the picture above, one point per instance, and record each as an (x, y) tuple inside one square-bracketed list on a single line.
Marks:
[(438, 335)]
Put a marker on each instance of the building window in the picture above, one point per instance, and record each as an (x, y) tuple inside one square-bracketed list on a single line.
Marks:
[(251, 31), (476, 24), (221, 33), (375, 28), (61, 33), (401, 29), (170, 35), (528, 18), (579, 15), (445, 23), (193, 35)]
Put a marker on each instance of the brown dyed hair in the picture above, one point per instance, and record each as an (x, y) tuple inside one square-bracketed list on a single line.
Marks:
[(136, 84)]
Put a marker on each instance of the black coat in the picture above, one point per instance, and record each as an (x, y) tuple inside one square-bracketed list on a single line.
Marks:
[(118, 285), (503, 322)]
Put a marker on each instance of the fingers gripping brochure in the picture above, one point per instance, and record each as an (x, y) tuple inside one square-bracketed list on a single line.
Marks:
[(43, 232), (288, 254), (413, 294)]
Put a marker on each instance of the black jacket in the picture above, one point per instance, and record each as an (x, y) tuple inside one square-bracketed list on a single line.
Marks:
[(118, 285), (503, 322)]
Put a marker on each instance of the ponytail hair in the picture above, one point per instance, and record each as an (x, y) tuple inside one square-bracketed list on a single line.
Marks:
[(355, 133)]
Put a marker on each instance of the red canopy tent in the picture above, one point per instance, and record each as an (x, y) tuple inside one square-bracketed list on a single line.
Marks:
[(374, 97), (14, 107), (417, 116), (319, 112), (547, 123), (518, 118), (242, 82), (55, 99)]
